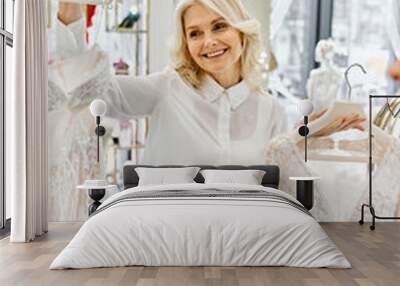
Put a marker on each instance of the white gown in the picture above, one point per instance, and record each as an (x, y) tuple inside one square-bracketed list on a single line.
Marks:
[(342, 189), (75, 77), (323, 85)]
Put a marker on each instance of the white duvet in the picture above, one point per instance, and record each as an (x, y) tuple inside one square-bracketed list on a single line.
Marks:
[(200, 231)]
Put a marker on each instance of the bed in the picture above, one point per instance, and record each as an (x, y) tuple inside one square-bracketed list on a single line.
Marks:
[(198, 224)]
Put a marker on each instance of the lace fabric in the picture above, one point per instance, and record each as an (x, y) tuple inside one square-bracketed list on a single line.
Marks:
[(385, 185), (72, 142), (283, 152), (323, 86), (99, 83), (75, 164)]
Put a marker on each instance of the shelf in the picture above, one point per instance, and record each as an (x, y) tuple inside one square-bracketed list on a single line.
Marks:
[(127, 31), (130, 147)]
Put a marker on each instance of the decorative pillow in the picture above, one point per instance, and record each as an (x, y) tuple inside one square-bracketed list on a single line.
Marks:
[(162, 176), (248, 177)]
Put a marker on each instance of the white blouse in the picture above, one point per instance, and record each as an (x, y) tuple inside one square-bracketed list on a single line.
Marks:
[(209, 125)]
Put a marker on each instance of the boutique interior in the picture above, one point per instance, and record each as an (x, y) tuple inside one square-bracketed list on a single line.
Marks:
[(200, 142)]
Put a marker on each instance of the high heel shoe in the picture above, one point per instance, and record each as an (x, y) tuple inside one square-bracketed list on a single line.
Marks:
[(129, 21)]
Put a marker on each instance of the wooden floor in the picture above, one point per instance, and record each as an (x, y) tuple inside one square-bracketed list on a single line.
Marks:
[(375, 257)]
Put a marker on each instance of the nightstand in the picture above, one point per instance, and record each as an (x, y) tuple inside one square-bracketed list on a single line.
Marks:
[(96, 193), (304, 190)]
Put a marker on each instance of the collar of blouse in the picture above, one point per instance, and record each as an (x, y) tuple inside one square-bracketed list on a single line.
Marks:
[(212, 91)]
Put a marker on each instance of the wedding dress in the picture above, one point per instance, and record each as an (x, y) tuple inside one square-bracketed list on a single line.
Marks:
[(324, 81), (76, 77), (342, 188), (323, 86)]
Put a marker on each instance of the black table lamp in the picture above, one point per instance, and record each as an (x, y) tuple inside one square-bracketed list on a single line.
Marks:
[(98, 108), (305, 108)]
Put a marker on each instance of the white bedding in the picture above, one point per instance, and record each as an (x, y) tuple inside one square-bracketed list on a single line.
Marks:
[(200, 231)]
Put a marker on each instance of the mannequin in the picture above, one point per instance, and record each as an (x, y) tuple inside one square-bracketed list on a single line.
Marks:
[(324, 82), (75, 73)]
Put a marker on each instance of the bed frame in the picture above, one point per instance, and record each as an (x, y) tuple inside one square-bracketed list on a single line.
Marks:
[(270, 179)]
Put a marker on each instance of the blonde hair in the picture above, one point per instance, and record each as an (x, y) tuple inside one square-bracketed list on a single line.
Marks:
[(236, 15)]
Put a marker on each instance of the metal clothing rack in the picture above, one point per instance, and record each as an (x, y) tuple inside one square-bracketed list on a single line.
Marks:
[(370, 204)]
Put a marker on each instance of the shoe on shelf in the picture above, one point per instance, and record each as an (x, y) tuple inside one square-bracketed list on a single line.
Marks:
[(129, 21)]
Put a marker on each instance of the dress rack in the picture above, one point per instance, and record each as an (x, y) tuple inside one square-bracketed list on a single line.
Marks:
[(370, 135)]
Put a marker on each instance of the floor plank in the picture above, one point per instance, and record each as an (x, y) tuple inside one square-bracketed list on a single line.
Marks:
[(374, 255)]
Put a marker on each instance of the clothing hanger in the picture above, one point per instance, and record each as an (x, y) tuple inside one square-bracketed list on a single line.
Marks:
[(341, 109)]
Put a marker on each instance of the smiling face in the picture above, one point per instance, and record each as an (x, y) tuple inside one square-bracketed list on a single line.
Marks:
[(213, 44)]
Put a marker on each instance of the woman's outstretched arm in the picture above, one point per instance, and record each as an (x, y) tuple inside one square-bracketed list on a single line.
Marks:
[(126, 96)]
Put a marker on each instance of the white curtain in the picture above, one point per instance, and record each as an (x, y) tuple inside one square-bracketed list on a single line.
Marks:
[(27, 123), (279, 10), (392, 26)]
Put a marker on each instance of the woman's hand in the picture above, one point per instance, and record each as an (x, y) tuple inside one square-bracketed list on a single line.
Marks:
[(69, 12), (394, 70), (353, 121)]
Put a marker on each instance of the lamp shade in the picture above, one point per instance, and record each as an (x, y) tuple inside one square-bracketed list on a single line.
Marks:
[(98, 107), (305, 107)]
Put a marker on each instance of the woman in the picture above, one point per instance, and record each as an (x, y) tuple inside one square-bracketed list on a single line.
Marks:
[(208, 107)]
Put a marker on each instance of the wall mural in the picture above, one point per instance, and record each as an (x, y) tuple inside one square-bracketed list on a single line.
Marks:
[(103, 49)]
